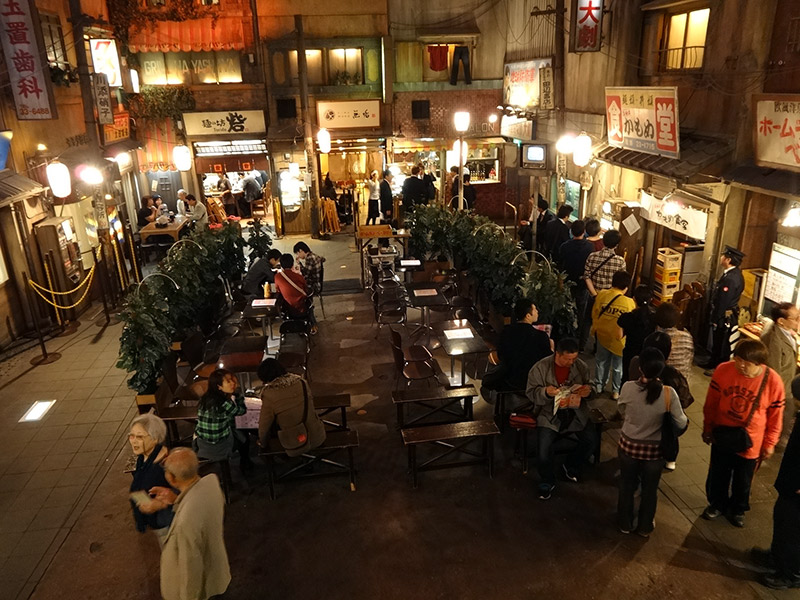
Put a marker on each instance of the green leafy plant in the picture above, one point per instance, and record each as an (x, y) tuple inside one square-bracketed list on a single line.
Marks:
[(159, 102), (550, 290), (259, 241)]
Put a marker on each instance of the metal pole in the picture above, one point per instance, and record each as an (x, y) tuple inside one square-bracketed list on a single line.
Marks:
[(460, 172), (44, 358), (559, 67), (102, 288), (78, 19), (311, 154)]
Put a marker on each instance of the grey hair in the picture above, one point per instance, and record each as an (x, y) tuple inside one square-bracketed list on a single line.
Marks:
[(182, 464), (153, 425), (180, 191)]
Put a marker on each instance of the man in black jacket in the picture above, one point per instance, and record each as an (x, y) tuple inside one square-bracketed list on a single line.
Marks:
[(784, 554), (725, 307), (413, 190), (557, 232), (521, 346), (386, 196)]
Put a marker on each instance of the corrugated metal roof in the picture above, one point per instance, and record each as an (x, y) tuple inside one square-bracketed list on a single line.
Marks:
[(700, 155), (776, 181), (15, 187)]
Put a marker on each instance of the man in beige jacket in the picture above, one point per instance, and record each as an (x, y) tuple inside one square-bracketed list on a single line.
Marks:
[(194, 563)]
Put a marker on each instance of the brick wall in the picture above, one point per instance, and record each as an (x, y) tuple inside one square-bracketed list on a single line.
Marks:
[(480, 103)]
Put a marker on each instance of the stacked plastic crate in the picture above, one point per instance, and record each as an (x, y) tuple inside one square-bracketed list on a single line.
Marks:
[(667, 276)]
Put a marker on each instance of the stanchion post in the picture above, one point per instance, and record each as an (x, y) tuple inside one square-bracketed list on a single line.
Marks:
[(44, 358), (102, 289)]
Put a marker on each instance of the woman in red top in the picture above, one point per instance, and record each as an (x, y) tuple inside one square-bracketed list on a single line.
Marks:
[(731, 396), (292, 287)]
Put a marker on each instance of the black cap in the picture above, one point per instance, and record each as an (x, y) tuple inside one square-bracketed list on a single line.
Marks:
[(155, 196), (734, 253)]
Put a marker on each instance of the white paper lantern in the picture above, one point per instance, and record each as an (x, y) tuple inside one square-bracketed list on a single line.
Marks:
[(582, 150), (565, 144), (91, 175), (324, 141), (182, 158), (59, 180)]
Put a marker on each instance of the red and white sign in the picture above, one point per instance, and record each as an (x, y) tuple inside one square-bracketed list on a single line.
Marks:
[(106, 60), (28, 74), (586, 25), (777, 131), (644, 119)]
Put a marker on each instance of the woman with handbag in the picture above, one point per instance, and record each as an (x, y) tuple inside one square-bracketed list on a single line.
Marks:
[(287, 401), (742, 420), (647, 406)]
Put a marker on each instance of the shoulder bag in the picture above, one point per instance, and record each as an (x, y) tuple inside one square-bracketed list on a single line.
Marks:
[(735, 439), (294, 439), (669, 433), (600, 266)]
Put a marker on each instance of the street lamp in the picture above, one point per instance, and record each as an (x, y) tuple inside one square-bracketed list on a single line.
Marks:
[(461, 123), (582, 150)]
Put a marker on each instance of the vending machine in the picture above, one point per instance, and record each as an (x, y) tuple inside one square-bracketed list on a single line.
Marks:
[(58, 241)]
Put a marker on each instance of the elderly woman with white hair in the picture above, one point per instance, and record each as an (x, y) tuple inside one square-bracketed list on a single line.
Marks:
[(146, 437)]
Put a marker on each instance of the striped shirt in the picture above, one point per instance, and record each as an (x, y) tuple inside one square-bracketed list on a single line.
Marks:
[(682, 354), (601, 276), (215, 425)]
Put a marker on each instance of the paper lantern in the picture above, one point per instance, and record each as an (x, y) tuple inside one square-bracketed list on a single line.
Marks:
[(565, 144), (59, 180), (182, 158), (89, 174), (324, 141), (582, 150)]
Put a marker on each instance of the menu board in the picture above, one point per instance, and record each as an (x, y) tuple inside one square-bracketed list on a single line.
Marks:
[(782, 277)]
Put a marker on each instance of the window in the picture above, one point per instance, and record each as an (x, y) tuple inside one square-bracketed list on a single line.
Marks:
[(336, 66), (53, 39), (685, 40), (313, 66), (209, 2), (420, 109), (793, 37), (286, 108), (190, 68)]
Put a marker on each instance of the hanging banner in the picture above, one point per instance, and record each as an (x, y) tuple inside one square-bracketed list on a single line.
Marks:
[(350, 114), (106, 60), (521, 82), (586, 25), (28, 74), (226, 122), (673, 214), (777, 131), (102, 99), (644, 119)]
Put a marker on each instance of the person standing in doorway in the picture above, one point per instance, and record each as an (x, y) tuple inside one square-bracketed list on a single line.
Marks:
[(387, 200), (374, 187), (725, 308)]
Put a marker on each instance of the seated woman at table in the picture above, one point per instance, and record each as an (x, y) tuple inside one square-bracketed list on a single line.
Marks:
[(215, 434), (286, 399), (295, 293), (146, 438)]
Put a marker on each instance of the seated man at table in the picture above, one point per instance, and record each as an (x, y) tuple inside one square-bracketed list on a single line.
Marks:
[(294, 291), (520, 347), (310, 267), (260, 272), (197, 211), (559, 387)]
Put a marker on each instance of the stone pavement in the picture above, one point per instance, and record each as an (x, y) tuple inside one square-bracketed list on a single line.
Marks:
[(66, 527)]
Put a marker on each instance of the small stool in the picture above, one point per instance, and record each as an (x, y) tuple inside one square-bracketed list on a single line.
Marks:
[(522, 423)]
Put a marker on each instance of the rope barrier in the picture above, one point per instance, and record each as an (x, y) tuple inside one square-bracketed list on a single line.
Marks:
[(87, 279), (50, 283)]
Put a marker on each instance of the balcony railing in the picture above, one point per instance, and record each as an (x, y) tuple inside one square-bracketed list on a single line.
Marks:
[(688, 58)]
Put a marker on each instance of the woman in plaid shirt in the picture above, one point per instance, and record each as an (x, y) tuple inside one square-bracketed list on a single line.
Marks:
[(215, 434)]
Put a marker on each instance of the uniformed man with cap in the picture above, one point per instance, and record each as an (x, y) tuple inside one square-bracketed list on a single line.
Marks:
[(725, 307)]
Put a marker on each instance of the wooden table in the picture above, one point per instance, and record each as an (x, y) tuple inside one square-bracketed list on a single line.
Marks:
[(172, 229), (460, 346), (364, 234), (436, 400)]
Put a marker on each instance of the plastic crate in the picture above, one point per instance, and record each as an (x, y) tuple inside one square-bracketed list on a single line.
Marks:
[(665, 290), (667, 275), (669, 258)]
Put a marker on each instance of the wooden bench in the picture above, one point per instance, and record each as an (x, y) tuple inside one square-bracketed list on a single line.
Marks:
[(335, 441), (325, 405), (437, 400), (598, 420), (455, 437)]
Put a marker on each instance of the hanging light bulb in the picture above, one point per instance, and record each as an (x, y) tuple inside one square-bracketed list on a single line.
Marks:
[(792, 218), (582, 150), (565, 143), (91, 175), (182, 158), (58, 179), (324, 141)]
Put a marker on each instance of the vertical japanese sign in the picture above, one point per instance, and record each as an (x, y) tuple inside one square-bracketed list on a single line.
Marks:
[(28, 75), (102, 99), (546, 99), (644, 119), (777, 131), (586, 25)]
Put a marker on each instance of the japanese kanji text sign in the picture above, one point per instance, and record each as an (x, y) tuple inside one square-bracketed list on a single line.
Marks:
[(644, 119), (350, 114), (120, 129), (102, 98), (777, 131), (224, 122), (28, 74), (523, 85), (586, 25)]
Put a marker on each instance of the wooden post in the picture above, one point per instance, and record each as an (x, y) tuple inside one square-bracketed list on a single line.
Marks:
[(311, 153)]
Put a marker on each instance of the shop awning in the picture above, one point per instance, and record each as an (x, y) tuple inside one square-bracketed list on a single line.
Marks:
[(761, 179), (197, 35), (701, 159), (14, 187), (435, 144), (112, 150)]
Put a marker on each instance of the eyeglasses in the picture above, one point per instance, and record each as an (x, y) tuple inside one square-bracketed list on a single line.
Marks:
[(138, 438)]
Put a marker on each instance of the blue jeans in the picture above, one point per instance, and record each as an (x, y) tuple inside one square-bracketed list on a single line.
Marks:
[(606, 361), (587, 440), (461, 53), (632, 472)]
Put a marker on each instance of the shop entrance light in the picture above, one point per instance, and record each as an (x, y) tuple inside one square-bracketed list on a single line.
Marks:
[(59, 180)]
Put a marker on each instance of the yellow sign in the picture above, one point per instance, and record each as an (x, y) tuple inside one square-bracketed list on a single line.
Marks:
[(120, 130), (367, 232)]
